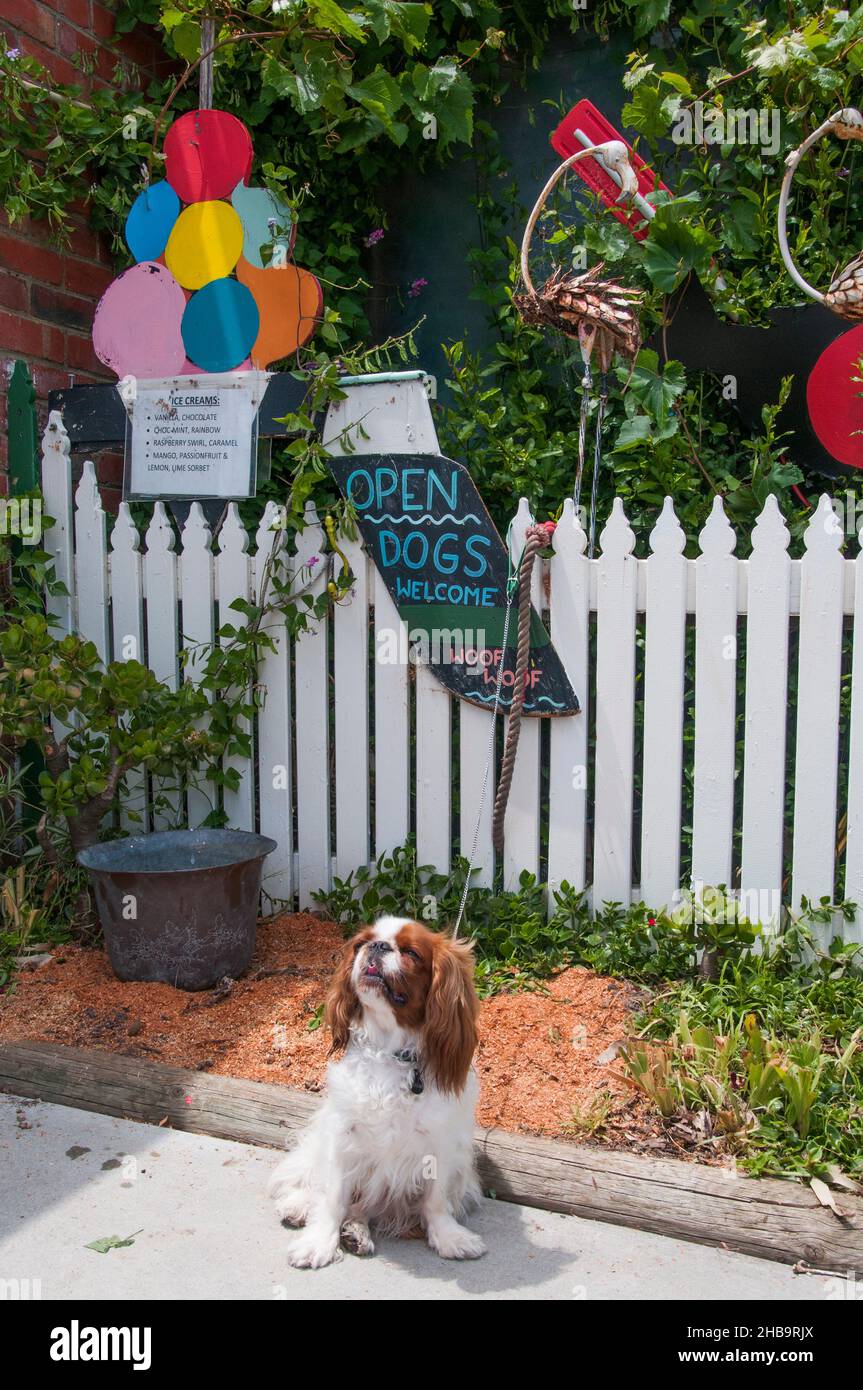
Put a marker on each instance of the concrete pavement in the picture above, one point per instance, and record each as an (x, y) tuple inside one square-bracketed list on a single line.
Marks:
[(206, 1230)]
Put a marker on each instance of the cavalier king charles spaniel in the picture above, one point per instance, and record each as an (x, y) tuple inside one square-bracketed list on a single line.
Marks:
[(392, 1144)]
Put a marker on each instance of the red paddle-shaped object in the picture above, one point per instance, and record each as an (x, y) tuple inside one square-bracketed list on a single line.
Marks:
[(583, 126)]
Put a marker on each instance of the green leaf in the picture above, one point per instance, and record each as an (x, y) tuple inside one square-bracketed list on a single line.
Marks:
[(648, 15), (632, 433), (106, 1243), (328, 15), (676, 245), (186, 38)]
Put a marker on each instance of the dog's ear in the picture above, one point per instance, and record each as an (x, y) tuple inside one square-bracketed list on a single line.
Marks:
[(449, 1031), (342, 1005)]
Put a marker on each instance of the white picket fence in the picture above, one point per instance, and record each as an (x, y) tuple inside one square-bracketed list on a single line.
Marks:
[(336, 725)]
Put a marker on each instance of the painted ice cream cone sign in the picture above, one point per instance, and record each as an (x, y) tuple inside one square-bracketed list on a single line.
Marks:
[(214, 288)]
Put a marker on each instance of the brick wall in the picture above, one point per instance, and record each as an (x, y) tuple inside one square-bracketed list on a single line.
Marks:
[(47, 295)]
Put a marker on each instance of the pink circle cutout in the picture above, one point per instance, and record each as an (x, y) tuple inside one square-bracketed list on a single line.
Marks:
[(136, 328)]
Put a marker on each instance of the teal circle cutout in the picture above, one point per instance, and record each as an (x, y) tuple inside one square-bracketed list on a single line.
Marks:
[(220, 324)]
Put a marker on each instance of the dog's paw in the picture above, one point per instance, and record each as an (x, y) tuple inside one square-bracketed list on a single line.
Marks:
[(355, 1238), (456, 1243), (311, 1249), (292, 1207)]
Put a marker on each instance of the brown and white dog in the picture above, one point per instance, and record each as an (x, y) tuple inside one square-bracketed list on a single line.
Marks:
[(392, 1144)]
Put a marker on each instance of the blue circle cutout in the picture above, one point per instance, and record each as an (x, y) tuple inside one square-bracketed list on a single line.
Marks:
[(151, 217), (220, 324)]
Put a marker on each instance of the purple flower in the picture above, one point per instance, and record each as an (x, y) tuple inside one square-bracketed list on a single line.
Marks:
[(374, 237), (13, 53), (417, 287)]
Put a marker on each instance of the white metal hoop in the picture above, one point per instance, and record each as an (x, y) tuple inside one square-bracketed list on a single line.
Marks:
[(848, 125)]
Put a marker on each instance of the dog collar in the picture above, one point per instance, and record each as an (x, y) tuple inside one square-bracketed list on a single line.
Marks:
[(417, 1085)]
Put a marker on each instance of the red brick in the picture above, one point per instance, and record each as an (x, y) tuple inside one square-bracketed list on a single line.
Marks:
[(37, 261), (84, 278), (53, 344), (13, 293), (87, 245), (141, 49), (60, 68), (66, 310), (80, 356), (73, 42), (21, 336), (77, 12), (31, 18), (110, 68), (111, 470), (103, 21), (47, 379)]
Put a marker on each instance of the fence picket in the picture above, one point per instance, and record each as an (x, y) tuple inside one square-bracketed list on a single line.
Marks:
[(715, 700), (664, 643), (475, 819), (521, 829), (570, 631), (351, 715), (198, 588), (433, 777), (57, 494), (274, 716), (233, 578), (822, 574), (392, 723), (617, 577), (161, 591), (853, 889), (312, 719), (768, 602), (127, 628), (91, 562)]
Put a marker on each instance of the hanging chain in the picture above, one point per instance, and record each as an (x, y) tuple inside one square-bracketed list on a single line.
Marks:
[(597, 460), (511, 584)]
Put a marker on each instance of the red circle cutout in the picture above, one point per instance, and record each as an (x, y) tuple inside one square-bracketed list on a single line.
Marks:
[(832, 399), (207, 153)]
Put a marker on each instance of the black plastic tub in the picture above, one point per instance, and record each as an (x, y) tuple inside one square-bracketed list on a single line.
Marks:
[(180, 906)]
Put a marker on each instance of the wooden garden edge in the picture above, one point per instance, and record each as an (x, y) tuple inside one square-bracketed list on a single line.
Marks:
[(773, 1219)]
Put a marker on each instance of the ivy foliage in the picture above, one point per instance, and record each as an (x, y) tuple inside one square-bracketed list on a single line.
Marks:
[(714, 96), (341, 98)]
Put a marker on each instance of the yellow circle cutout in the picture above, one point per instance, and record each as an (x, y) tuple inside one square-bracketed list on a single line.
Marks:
[(205, 244)]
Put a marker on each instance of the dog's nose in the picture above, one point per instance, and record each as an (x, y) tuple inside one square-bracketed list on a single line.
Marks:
[(381, 946)]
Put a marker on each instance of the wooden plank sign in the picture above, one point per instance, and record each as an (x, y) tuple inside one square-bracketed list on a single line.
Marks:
[(445, 568)]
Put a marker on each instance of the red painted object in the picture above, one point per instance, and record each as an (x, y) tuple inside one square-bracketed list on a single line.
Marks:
[(207, 153), (586, 118), (833, 400)]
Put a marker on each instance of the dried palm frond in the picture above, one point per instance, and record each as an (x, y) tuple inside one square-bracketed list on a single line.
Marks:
[(845, 295), (586, 302), (601, 314)]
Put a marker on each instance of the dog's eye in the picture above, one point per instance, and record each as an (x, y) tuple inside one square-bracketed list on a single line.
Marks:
[(409, 951)]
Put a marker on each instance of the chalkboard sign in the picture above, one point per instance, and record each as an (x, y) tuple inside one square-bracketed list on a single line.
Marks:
[(445, 567)]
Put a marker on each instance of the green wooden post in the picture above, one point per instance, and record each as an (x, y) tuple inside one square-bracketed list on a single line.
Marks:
[(21, 432), (23, 453)]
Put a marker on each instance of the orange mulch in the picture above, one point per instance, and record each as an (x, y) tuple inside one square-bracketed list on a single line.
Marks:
[(537, 1059)]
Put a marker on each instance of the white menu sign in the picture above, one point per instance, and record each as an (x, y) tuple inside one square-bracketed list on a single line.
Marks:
[(192, 436)]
